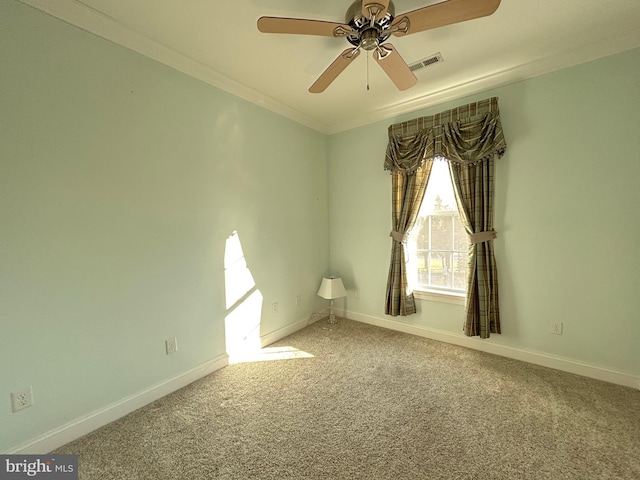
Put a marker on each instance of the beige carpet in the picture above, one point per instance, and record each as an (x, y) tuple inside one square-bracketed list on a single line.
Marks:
[(375, 404)]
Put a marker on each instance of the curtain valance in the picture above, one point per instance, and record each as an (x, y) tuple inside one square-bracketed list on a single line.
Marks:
[(468, 134)]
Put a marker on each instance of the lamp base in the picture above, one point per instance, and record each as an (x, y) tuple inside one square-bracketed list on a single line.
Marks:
[(331, 323), (330, 327)]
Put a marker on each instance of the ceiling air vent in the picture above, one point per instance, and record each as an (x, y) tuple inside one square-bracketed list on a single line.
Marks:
[(425, 62)]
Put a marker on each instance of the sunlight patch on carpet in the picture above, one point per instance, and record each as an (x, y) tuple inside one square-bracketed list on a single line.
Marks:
[(269, 354)]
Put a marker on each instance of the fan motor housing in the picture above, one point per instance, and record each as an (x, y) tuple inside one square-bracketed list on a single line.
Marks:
[(368, 36)]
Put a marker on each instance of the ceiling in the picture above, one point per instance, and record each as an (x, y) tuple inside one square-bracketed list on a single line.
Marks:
[(217, 41)]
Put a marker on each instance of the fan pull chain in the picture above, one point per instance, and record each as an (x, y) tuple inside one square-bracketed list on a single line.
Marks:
[(368, 53)]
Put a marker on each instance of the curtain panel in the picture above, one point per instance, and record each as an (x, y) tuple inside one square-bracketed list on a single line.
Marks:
[(469, 137), (407, 193)]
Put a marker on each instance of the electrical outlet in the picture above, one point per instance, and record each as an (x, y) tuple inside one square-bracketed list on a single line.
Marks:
[(556, 328), (357, 293), (172, 345), (21, 399), (298, 301), (274, 307)]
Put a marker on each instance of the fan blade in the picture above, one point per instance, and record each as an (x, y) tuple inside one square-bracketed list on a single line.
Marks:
[(335, 69), (394, 66), (300, 26), (379, 7), (445, 13)]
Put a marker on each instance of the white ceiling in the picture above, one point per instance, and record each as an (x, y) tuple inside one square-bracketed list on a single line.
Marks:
[(217, 41)]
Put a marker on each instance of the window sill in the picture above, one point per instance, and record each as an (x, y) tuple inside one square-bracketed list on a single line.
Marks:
[(439, 296)]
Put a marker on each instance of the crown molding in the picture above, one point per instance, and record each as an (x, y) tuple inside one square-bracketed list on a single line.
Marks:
[(508, 76), (93, 21)]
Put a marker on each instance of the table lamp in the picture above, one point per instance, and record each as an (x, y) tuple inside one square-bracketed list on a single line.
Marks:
[(330, 288)]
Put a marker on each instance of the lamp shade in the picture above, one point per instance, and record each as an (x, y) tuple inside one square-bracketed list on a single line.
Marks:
[(331, 288)]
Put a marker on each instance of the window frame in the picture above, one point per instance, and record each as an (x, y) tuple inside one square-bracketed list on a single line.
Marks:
[(433, 292)]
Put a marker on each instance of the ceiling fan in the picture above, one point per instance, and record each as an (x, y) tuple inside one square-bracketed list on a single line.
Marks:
[(369, 24)]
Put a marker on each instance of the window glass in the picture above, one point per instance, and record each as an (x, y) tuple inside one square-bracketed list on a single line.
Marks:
[(438, 244)]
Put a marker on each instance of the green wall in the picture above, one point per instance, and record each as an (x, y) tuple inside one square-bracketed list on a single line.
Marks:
[(568, 216), (120, 182)]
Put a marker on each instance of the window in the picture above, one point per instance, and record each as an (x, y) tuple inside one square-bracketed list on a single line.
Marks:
[(438, 244)]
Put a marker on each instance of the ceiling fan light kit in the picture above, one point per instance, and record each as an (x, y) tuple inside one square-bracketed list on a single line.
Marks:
[(369, 24)]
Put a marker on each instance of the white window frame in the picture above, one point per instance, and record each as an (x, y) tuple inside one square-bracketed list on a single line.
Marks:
[(431, 293)]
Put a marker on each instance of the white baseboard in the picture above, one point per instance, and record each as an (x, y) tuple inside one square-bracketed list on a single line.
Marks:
[(529, 356), (279, 334), (88, 423)]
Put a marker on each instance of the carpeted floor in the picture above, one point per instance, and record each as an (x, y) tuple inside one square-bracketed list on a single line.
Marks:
[(375, 404)]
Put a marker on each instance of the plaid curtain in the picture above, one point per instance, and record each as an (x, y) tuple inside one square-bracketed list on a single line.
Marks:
[(408, 192), (469, 137), (473, 188)]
